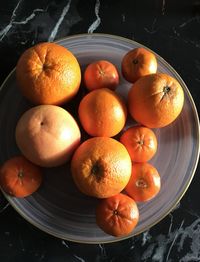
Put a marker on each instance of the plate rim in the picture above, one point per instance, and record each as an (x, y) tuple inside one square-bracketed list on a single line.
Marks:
[(117, 239)]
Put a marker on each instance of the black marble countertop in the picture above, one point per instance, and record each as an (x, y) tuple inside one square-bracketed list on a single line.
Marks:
[(170, 28)]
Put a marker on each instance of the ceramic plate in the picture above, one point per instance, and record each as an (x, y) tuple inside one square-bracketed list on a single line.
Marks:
[(57, 207)]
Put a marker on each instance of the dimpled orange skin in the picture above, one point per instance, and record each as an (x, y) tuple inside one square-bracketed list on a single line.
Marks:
[(102, 113), (117, 215), (101, 167), (19, 177), (141, 143), (48, 73), (155, 100), (137, 63), (144, 183)]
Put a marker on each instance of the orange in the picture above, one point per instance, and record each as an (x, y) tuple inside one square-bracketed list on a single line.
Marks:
[(141, 143), (48, 73), (144, 183), (19, 177), (101, 167), (117, 215), (102, 113), (47, 135), (101, 74), (155, 100), (138, 62)]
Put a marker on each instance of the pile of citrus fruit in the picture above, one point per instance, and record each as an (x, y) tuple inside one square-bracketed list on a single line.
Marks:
[(112, 168)]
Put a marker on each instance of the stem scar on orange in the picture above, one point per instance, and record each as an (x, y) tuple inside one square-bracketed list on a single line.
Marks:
[(117, 215), (155, 100), (141, 143), (101, 167), (144, 183), (101, 74), (137, 63), (19, 177)]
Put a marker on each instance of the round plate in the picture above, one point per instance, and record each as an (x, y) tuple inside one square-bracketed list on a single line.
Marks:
[(58, 207)]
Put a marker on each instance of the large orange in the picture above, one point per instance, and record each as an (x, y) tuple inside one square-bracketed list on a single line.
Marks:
[(101, 167), (48, 73), (155, 100), (47, 135), (102, 113), (117, 215), (19, 177)]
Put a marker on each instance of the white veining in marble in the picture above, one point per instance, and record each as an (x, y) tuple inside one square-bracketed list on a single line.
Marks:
[(30, 17), (188, 21), (145, 237), (163, 6), (123, 18), (4, 208), (152, 30), (65, 244), (193, 233), (4, 31), (186, 41), (79, 258), (21, 242), (175, 31), (56, 27), (12, 21), (174, 240), (102, 250), (161, 247), (97, 22), (75, 256)]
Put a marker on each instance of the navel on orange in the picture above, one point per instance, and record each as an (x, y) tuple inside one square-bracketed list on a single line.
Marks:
[(48, 73), (101, 167)]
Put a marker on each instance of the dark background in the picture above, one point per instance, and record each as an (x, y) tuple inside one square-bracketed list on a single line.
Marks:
[(170, 28)]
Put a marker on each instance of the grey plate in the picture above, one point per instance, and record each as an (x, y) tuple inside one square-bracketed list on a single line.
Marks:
[(57, 207)]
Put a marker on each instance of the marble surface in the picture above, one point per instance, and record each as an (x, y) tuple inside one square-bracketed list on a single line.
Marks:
[(170, 28)]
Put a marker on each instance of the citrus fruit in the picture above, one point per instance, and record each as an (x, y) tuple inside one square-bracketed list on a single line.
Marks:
[(144, 183), (138, 62), (48, 73), (47, 135), (155, 100), (101, 167), (101, 74), (102, 113), (117, 215), (141, 143), (19, 177)]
